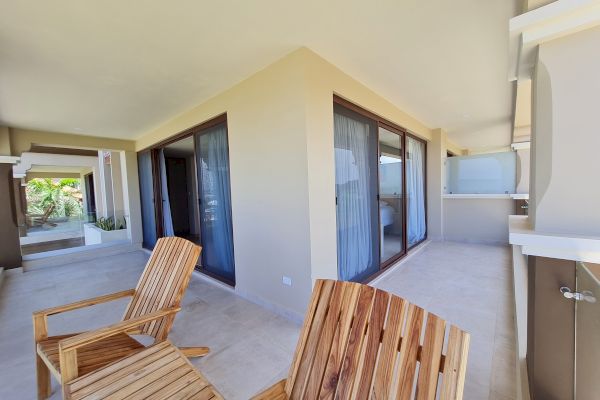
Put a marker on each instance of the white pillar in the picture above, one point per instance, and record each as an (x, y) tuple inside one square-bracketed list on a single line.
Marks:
[(436, 180), (131, 195)]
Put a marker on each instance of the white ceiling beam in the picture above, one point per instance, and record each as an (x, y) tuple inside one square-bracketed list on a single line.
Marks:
[(555, 20)]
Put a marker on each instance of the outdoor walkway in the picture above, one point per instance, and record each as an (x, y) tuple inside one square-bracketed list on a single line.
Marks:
[(466, 284)]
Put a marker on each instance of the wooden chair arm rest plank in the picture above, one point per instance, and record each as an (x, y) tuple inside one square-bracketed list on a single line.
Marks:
[(86, 338), (84, 303), (275, 392)]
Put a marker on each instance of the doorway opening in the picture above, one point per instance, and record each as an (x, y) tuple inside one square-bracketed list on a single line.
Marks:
[(182, 189)]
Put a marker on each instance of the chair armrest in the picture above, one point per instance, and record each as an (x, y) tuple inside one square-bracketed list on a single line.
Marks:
[(84, 303), (275, 392), (83, 339)]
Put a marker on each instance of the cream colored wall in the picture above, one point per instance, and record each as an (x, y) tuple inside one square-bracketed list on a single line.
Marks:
[(454, 148), (477, 220), (22, 139), (323, 79), (565, 142), (436, 181), (533, 4), (4, 141), (33, 175), (266, 117), (283, 202)]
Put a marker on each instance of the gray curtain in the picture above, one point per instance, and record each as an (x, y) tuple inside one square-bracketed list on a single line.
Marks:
[(147, 199), (212, 160), (356, 228), (164, 191), (415, 190)]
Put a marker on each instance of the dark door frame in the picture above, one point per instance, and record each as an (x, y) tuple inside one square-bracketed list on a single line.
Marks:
[(157, 180), (381, 122)]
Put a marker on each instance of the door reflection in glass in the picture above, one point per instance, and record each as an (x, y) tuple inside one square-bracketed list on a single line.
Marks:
[(390, 194)]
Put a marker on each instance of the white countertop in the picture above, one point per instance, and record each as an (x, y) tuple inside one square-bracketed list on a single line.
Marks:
[(562, 246), (515, 196)]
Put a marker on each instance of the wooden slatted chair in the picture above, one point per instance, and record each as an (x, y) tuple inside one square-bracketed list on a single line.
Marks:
[(358, 342), (151, 311)]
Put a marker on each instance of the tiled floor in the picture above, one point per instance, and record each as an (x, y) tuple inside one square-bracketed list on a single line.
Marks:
[(470, 286), (251, 347)]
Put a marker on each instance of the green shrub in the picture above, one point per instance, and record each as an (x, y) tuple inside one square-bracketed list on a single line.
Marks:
[(108, 224)]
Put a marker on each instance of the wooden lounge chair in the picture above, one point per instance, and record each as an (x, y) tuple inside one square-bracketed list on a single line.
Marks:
[(358, 342), (151, 311), (40, 219), (160, 371)]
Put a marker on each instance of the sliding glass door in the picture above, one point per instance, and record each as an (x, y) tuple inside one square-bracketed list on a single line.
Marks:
[(380, 192), (391, 199), (185, 192), (356, 195), (212, 164)]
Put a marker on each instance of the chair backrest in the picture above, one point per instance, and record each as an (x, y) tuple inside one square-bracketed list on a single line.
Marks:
[(358, 342), (163, 283)]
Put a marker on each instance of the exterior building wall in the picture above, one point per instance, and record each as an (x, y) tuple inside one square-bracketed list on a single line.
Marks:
[(282, 168)]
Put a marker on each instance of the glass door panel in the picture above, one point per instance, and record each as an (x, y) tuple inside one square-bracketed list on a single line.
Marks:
[(587, 331), (391, 209), (416, 224), (355, 141), (216, 233)]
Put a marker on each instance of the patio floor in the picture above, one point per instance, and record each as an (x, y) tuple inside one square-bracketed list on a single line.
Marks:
[(469, 285)]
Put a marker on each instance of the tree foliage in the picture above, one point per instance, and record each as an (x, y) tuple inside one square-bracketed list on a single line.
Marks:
[(64, 194)]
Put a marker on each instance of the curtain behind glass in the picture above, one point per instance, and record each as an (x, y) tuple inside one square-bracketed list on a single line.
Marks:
[(147, 199), (415, 190), (164, 191), (212, 160), (357, 230)]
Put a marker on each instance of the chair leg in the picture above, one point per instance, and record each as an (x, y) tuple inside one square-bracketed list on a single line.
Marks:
[(194, 351), (43, 378)]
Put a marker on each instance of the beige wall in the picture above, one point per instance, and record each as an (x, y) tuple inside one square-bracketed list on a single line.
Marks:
[(436, 181), (22, 139), (477, 220), (323, 80), (533, 4), (4, 141), (33, 175), (283, 202), (565, 141), (266, 117)]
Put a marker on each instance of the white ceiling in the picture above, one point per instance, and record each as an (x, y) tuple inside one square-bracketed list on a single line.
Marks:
[(120, 68)]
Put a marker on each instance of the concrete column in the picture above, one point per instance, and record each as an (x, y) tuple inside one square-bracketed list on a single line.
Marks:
[(131, 195), (117, 185), (436, 181), (106, 185)]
